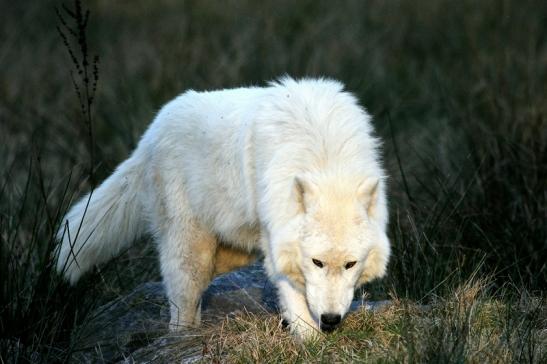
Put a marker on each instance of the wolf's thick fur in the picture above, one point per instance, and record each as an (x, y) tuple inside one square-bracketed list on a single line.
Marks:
[(290, 171)]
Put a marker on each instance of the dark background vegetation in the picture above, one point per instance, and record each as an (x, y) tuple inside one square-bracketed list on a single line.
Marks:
[(458, 91)]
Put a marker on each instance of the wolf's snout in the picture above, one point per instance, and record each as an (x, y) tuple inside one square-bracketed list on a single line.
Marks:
[(329, 321)]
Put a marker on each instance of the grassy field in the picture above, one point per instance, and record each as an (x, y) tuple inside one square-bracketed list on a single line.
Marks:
[(458, 91), (467, 326)]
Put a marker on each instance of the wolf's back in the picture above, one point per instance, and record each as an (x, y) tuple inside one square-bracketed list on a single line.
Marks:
[(103, 222)]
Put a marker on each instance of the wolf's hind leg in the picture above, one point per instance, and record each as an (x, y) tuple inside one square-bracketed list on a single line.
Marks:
[(187, 255), (228, 259)]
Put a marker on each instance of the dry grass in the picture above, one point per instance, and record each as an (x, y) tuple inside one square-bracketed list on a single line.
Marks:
[(468, 326)]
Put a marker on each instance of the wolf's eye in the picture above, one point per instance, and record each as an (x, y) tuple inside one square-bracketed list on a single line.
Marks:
[(350, 264), (317, 263)]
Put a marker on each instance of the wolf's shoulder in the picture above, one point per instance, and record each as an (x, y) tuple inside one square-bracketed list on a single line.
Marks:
[(290, 106)]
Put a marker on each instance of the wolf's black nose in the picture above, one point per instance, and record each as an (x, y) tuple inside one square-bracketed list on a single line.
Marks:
[(330, 319)]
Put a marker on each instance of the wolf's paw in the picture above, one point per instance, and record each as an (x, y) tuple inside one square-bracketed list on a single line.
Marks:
[(304, 331)]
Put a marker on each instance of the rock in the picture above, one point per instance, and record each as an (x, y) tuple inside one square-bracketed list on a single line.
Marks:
[(134, 328), (248, 288), (136, 325), (116, 329), (368, 305)]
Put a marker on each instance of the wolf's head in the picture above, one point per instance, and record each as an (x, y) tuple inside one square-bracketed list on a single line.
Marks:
[(341, 243)]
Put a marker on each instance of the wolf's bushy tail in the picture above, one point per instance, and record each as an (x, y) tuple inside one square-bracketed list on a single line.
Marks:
[(102, 222)]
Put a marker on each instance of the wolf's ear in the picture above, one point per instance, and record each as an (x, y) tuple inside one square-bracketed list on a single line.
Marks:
[(376, 263), (367, 193), (287, 262), (304, 191)]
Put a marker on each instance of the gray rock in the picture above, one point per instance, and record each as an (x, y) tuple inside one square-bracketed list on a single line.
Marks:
[(134, 328), (118, 328), (247, 288)]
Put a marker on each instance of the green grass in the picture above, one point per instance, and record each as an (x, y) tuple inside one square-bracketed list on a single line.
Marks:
[(458, 91)]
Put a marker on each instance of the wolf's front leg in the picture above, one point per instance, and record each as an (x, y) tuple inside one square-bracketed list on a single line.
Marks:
[(187, 254), (295, 311)]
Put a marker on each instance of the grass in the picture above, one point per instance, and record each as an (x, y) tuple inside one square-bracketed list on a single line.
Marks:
[(467, 326), (458, 92)]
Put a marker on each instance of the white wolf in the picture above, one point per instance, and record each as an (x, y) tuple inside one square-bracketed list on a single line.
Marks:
[(290, 171)]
